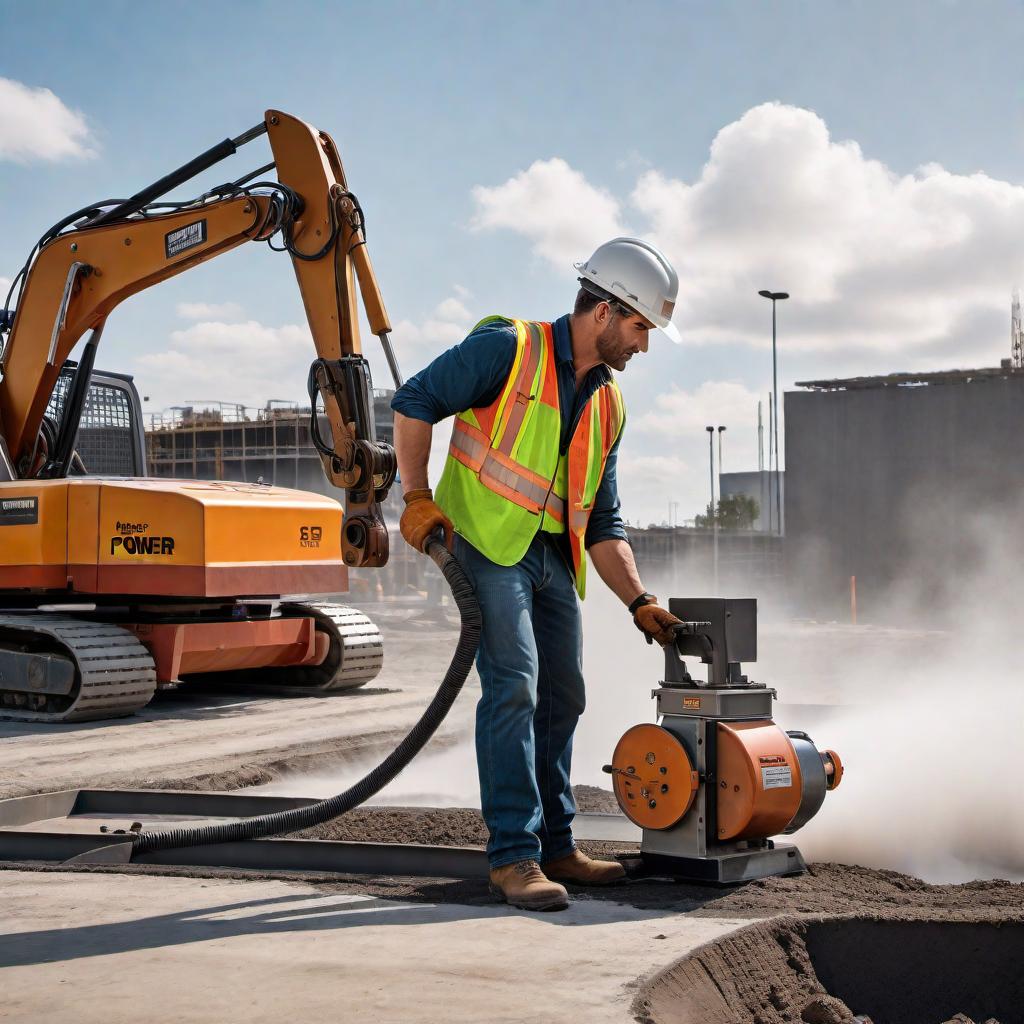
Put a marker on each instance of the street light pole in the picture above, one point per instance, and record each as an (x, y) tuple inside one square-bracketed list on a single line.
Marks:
[(775, 297), (711, 507), (760, 439), (770, 503), (711, 463)]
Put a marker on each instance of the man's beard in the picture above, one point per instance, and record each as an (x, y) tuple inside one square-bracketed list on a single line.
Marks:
[(609, 344)]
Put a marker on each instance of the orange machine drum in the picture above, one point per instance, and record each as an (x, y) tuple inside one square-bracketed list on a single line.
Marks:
[(759, 783), (653, 778)]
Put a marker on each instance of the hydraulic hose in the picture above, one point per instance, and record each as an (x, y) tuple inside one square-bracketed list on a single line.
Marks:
[(297, 818)]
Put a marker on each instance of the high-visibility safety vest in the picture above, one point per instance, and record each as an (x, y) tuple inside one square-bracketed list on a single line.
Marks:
[(505, 477)]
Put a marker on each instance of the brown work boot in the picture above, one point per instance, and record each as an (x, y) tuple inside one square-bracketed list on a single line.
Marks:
[(579, 869), (524, 885)]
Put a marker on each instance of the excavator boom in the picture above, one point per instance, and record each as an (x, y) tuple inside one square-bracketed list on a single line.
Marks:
[(86, 266)]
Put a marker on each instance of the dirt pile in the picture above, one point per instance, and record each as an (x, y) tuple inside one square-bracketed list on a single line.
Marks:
[(850, 888), (594, 800), (824, 889), (452, 826), (843, 969), (429, 826)]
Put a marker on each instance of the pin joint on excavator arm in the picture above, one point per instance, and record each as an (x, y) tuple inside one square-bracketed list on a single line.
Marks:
[(353, 459)]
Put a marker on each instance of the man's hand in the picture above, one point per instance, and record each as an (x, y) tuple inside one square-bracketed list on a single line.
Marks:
[(422, 517), (655, 622)]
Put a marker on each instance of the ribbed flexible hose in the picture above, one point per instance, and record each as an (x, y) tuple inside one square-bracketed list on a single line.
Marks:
[(324, 810)]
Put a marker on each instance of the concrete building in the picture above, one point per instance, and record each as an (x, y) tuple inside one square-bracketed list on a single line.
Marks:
[(231, 442), (759, 485), (905, 481), (678, 560)]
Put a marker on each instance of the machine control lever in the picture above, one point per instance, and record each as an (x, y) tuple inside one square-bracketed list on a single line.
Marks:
[(685, 630), (691, 638)]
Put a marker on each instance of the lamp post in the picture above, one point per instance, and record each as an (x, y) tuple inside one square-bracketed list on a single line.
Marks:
[(711, 507), (775, 297), (721, 430), (711, 463)]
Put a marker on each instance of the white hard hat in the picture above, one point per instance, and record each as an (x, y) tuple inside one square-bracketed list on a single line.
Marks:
[(636, 274)]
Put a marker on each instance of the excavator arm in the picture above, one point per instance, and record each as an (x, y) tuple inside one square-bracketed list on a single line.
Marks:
[(89, 263)]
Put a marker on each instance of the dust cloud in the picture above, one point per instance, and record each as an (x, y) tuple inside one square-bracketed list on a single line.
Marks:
[(928, 720), (436, 778), (933, 741)]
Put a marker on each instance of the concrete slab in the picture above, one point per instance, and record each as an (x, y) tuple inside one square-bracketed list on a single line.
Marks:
[(82, 949), (230, 740)]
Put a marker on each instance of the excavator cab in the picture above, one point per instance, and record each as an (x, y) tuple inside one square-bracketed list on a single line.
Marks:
[(110, 439)]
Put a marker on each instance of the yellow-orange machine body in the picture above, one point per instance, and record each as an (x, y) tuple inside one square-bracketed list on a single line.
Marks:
[(111, 586), (176, 538)]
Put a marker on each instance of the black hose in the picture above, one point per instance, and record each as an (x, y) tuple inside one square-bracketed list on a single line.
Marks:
[(324, 810)]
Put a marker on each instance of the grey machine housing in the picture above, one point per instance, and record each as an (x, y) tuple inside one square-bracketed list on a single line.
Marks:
[(722, 633)]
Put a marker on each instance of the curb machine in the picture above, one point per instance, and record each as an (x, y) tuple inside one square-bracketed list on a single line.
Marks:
[(717, 778), (113, 586)]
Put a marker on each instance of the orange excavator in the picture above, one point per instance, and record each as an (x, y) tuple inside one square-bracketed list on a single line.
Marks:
[(114, 586)]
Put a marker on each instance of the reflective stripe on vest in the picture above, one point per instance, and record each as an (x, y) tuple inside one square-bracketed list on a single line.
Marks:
[(472, 448)]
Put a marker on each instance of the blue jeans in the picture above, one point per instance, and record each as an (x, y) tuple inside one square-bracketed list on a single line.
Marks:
[(531, 674)]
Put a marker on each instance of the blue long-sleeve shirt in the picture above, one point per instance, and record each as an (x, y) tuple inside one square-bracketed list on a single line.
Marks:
[(472, 374)]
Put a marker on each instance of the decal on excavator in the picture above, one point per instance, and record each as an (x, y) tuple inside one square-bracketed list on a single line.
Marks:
[(131, 527), (19, 511), (121, 547), (310, 536), (190, 235)]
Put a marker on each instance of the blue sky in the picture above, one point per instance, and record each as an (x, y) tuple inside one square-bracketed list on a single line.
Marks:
[(606, 115)]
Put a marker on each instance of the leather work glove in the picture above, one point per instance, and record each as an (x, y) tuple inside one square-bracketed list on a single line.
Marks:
[(422, 517), (654, 621)]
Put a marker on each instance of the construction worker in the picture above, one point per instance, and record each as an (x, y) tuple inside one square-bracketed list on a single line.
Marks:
[(528, 491)]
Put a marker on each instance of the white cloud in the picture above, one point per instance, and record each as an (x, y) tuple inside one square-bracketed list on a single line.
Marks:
[(247, 363), (36, 125), (874, 260), (417, 343), (673, 423), (223, 311), (453, 311), (679, 415), (648, 482), (555, 207)]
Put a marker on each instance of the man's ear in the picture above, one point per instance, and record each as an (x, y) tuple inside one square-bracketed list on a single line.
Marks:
[(602, 313)]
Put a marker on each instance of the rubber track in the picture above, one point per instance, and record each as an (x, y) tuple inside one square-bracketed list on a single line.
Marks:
[(362, 648), (117, 675)]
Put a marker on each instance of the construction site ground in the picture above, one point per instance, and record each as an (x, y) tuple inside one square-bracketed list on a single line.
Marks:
[(208, 945)]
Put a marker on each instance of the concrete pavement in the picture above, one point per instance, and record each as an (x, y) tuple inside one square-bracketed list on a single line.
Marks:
[(101, 948)]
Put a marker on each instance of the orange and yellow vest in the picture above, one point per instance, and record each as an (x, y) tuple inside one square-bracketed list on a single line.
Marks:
[(505, 477)]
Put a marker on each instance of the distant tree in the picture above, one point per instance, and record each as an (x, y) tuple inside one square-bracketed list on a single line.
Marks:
[(736, 512), (707, 520)]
